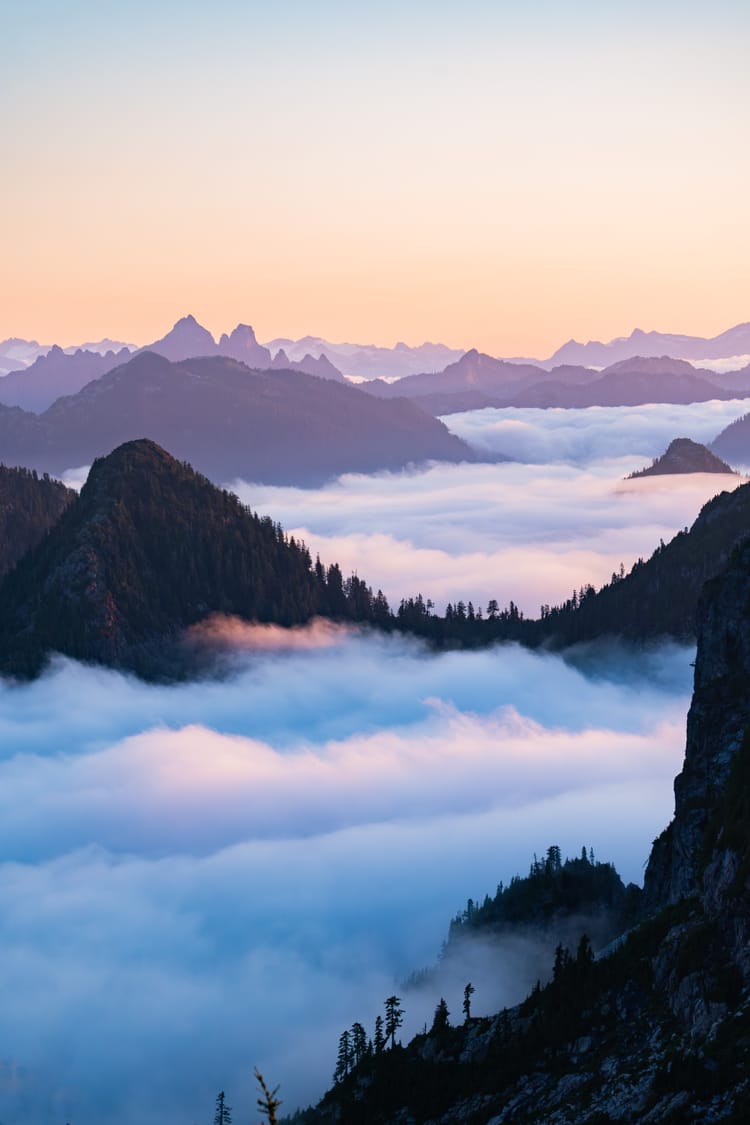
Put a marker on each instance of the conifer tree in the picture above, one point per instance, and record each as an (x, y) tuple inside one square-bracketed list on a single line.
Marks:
[(440, 1020), (223, 1114), (358, 1040), (344, 1057), (379, 1040), (394, 1017), (468, 993)]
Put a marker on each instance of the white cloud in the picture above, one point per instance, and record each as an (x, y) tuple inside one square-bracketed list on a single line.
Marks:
[(530, 533), (583, 436), (200, 877)]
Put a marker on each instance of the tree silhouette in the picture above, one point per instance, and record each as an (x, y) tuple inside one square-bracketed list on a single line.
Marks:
[(468, 993), (223, 1114), (268, 1103), (379, 1041), (345, 1057), (440, 1020), (358, 1039), (394, 1017)]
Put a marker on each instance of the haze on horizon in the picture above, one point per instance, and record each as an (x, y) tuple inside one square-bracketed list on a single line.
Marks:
[(492, 176)]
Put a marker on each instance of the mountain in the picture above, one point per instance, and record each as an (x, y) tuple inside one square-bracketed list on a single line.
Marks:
[(656, 1028), (474, 371), (684, 456), (320, 366), (55, 374), (733, 442), (101, 346), (29, 507), (149, 548), (368, 361), (241, 344), (476, 381), (186, 339), (189, 340), (630, 383), (733, 342), (229, 421), (17, 354)]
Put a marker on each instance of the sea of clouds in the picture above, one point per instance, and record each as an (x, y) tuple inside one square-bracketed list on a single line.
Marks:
[(201, 878), (531, 530)]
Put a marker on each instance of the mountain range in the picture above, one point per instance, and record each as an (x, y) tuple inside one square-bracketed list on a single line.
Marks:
[(370, 361), (280, 427), (733, 342), (476, 381)]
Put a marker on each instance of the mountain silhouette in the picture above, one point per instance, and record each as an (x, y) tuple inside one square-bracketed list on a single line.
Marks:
[(684, 456), (281, 427), (149, 548)]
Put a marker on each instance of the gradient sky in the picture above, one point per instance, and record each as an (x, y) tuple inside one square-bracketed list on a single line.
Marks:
[(489, 174)]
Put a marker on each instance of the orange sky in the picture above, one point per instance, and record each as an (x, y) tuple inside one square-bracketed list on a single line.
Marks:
[(470, 178)]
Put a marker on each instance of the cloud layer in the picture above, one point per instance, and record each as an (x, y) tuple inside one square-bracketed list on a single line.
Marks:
[(530, 533), (200, 877)]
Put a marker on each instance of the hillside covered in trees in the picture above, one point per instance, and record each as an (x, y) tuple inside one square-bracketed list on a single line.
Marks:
[(151, 548), (29, 506)]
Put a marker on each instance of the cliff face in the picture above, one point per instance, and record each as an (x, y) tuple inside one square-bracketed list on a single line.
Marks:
[(683, 861)]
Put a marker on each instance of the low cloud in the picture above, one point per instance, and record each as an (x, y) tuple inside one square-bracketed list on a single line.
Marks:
[(201, 877), (583, 436), (530, 533)]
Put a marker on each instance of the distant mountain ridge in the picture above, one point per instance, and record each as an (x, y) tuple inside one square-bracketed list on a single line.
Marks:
[(283, 427), (733, 342), (55, 374), (477, 381)]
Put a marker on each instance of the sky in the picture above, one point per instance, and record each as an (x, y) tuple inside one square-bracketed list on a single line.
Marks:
[(495, 175)]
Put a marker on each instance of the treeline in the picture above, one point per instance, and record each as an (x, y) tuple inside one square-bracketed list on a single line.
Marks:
[(554, 888)]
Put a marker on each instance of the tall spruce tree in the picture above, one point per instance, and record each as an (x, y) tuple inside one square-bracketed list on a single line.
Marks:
[(379, 1040), (394, 1017), (223, 1114)]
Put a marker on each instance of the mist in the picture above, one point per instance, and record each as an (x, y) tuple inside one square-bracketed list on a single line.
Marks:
[(204, 877)]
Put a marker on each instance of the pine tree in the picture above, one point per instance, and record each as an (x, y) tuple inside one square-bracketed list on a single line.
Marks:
[(223, 1114), (344, 1057), (358, 1043), (394, 1017), (440, 1020), (468, 993), (379, 1040)]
